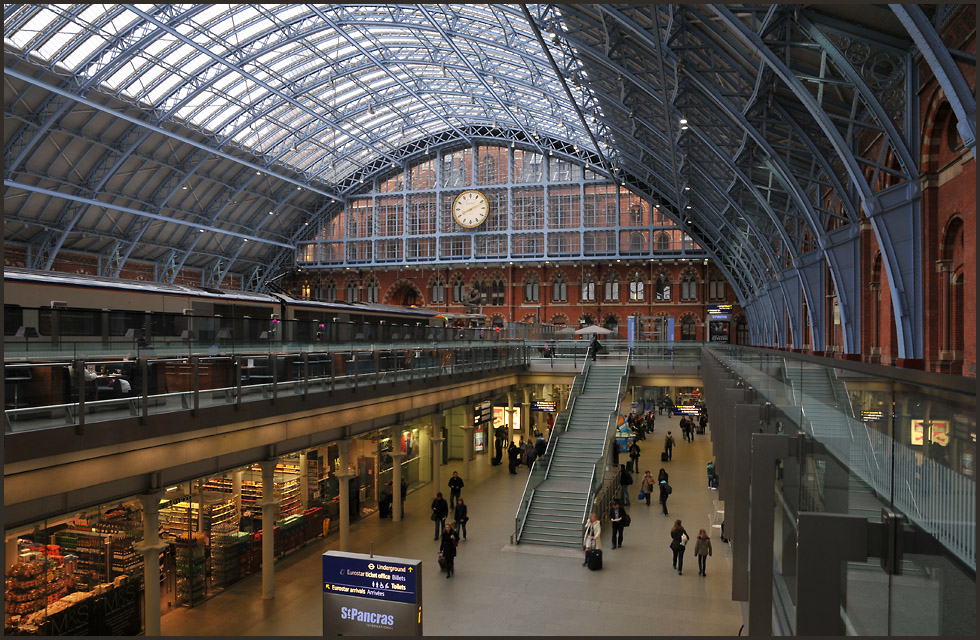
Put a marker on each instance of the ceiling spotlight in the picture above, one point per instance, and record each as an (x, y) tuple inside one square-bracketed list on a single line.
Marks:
[(688, 207), (683, 120), (687, 188), (689, 222), (270, 213)]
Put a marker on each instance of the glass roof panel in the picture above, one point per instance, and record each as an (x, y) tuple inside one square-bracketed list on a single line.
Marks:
[(321, 83)]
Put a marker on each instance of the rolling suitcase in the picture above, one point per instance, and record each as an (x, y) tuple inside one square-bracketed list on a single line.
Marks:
[(594, 559), (664, 457)]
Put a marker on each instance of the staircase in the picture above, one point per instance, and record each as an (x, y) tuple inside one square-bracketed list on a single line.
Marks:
[(558, 504)]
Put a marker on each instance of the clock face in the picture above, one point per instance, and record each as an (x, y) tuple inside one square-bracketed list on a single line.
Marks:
[(470, 209)]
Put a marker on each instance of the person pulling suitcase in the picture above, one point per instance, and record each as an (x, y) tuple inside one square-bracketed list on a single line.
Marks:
[(591, 543)]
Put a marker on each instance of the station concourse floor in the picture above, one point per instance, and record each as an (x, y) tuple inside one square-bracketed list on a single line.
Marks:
[(499, 589)]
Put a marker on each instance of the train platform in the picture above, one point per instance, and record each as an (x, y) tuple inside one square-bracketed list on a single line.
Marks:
[(502, 589)]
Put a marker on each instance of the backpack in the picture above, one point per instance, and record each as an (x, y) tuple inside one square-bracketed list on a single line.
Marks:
[(669, 489), (626, 480)]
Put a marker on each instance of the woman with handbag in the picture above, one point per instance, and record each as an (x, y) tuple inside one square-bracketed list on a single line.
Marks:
[(678, 542), (646, 485), (447, 549), (591, 540)]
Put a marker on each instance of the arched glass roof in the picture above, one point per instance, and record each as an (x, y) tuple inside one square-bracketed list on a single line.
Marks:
[(322, 90), (216, 136)]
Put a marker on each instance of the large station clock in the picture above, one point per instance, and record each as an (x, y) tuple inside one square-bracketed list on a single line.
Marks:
[(471, 208)]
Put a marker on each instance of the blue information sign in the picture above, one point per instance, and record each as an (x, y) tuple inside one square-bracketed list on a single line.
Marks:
[(375, 577)]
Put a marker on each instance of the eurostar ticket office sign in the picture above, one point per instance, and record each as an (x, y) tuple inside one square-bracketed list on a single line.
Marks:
[(370, 595)]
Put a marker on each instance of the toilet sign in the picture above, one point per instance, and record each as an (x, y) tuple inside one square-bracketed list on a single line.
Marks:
[(369, 595)]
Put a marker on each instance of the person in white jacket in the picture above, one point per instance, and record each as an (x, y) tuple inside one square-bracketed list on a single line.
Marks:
[(591, 539)]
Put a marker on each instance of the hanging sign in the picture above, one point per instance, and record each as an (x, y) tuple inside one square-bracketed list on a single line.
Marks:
[(371, 595)]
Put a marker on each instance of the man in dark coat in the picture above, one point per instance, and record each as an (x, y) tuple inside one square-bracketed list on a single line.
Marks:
[(440, 509), (513, 456)]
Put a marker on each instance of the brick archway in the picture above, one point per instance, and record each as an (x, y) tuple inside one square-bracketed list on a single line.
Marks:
[(404, 293)]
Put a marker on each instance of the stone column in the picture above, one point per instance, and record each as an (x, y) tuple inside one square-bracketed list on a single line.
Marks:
[(344, 474), (526, 414), (438, 420), (150, 548), (236, 490), (468, 429), (304, 482), (268, 504), (397, 457), (510, 417)]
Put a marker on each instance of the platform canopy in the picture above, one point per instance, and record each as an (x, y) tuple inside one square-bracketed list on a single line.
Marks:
[(216, 136)]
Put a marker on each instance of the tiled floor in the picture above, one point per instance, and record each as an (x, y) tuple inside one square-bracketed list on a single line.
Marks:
[(502, 590)]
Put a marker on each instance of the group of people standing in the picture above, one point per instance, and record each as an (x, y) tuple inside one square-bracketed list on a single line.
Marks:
[(448, 532)]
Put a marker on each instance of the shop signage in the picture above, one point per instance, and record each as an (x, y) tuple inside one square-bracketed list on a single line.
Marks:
[(872, 416), (544, 405), (482, 412), (371, 595), (718, 330), (686, 410), (938, 432)]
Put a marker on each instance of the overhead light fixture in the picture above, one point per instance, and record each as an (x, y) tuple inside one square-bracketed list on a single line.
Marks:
[(687, 188), (683, 120), (271, 213)]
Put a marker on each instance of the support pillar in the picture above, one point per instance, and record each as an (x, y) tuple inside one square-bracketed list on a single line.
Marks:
[(150, 548), (510, 417), (268, 504), (304, 482), (397, 457), (236, 490), (526, 414), (766, 449), (468, 429), (826, 541), (344, 474), (438, 420)]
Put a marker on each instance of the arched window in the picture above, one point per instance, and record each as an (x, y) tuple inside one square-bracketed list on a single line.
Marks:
[(612, 323), (559, 320), (318, 289), (586, 320), (559, 289), (438, 290), (741, 331), (662, 241), (353, 290), (459, 289), (481, 285), (689, 286), (331, 291), (498, 291), (588, 287), (663, 287), (689, 327), (372, 290), (611, 287), (532, 288), (636, 287), (305, 289), (952, 290), (716, 287)]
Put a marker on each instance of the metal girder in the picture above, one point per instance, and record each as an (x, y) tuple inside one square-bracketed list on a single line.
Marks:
[(486, 85), (961, 98), (165, 132), (136, 212)]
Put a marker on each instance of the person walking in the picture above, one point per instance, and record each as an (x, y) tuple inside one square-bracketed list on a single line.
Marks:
[(663, 476), (669, 446), (591, 540), (447, 549), (513, 456), (664, 492), (594, 346), (440, 509), (617, 517), (461, 516), (702, 549), (647, 485), (625, 480), (455, 488), (635, 456), (678, 542)]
